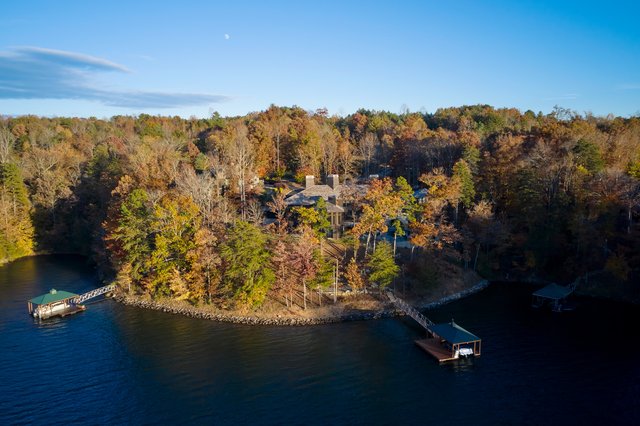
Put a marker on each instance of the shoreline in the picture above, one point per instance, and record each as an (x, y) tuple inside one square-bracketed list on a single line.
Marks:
[(387, 311)]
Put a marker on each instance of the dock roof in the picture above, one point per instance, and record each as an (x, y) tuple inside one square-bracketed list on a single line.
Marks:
[(553, 291), (453, 333), (53, 296)]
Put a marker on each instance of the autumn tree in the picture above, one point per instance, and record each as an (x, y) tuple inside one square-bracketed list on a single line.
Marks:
[(353, 275), (304, 260)]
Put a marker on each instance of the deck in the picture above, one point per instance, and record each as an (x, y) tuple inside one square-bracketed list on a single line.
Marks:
[(435, 349), (63, 313)]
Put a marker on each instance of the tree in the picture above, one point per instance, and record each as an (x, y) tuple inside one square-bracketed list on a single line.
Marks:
[(278, 206), (240, 154), (174, 225), (464, 180), (303, 260), (398, 231), (324, 274), (16, 229), (132, 233), (248, 272), (282, 260), (353, 275), (382, 204), (315, 217), (6, 144), (382, 266), (405, 192)]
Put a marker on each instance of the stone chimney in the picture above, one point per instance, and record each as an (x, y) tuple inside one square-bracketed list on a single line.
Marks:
[(333, 181), (309, 181)]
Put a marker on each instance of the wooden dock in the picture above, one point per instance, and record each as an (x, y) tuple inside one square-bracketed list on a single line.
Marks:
[(434, 348), (62, 303), (445, 342)]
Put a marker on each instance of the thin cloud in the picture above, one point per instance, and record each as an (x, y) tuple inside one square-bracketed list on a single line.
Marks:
[(566, 97), (38, 73), (633, 86)]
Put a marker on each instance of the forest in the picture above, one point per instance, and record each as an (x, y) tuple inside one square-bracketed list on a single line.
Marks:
[(194, 209)]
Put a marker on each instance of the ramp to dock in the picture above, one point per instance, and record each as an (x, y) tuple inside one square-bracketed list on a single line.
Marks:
[(94, 293), (425, 322)]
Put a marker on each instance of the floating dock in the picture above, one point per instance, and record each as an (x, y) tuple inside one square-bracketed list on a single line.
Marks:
[(62, 303), (552, 295), (449, 341), (55, 303), (445, 342)]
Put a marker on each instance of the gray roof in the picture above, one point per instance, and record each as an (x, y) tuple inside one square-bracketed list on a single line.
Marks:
[(453, 333), (309, 196), (553, 291)]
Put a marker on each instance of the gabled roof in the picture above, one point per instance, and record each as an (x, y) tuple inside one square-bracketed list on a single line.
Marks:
[(53, 296), (553, 291), (453, 333), (309, 196)]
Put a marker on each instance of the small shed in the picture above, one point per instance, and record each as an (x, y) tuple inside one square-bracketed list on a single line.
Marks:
[(55, 302), (552, 294)]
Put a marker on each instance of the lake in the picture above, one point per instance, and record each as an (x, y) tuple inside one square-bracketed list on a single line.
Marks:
[(115, 364)]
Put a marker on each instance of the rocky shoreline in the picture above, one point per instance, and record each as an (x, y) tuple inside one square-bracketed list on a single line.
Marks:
[(278, 320)]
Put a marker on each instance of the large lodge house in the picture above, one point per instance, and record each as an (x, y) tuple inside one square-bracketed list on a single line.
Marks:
[(332, 192)]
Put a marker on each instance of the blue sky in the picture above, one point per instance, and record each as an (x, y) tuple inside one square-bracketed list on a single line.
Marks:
[(85, 58)]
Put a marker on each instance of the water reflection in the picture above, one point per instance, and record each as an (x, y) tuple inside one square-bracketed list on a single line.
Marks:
[(115, 364)]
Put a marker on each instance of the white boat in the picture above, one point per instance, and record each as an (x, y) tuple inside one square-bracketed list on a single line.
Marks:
[(463, 352)]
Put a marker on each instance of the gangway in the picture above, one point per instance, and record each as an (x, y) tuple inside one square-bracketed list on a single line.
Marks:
[(93, 293)]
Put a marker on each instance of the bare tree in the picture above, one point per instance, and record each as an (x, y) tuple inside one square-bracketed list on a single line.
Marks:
[(240, 154), (6, 144), (367, 149), (255, 213)]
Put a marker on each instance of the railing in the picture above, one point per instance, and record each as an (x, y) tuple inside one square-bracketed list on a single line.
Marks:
[(411, 311), (333, 249), (93, 293)]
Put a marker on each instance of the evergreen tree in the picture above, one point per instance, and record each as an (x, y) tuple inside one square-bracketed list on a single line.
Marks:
[(16, 229), (324, 275), (382, 266), (132, 233), (248, 272), (462, 173)]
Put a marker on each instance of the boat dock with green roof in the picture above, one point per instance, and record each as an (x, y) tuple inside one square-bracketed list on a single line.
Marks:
[(54, 303), (62, 303)]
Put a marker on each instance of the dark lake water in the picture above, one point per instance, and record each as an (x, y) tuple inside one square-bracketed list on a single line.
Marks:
[(120, 365)]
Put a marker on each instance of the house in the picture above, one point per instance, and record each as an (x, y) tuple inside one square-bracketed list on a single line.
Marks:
[(330, 192)]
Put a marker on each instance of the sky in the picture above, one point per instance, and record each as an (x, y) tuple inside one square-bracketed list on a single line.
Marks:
[(190, 58)]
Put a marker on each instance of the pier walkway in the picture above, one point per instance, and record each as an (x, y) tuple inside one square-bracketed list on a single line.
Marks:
[(93, 293)]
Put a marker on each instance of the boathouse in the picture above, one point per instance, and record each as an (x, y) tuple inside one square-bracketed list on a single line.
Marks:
[(56, 302), (552, 295), (449, 341)]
